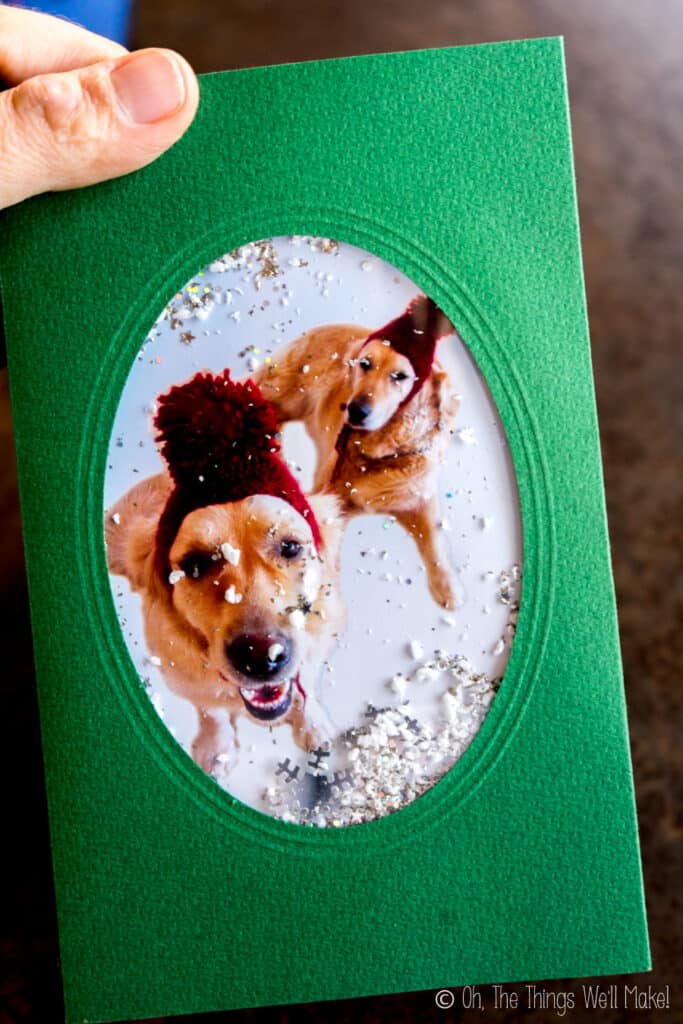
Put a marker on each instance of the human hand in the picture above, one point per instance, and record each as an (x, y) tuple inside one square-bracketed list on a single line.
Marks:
[(81, 109)]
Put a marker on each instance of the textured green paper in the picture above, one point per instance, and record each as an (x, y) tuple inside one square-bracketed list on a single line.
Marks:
[(455, 165)]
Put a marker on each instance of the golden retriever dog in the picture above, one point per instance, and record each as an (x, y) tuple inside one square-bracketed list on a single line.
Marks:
[(240, 597), (380, 411)]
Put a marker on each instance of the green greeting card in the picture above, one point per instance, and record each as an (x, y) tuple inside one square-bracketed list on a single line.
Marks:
[(324, 621)]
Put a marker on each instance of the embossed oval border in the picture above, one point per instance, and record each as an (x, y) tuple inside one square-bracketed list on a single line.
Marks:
[(533, 481)]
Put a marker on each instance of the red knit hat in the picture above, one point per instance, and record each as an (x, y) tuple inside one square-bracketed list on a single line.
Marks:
[(220, 440), (414, 334)]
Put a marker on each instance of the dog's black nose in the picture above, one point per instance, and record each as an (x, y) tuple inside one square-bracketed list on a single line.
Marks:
[(259, 656), (358, 411)]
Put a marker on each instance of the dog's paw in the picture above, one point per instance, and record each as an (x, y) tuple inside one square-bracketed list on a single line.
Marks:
[(203, 755), (216, 763), (314, 738), (442, 589), (314, 732), (223, 765), (214, 748)]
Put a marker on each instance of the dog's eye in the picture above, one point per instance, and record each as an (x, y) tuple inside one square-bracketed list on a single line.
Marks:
[(290, 548), (196, 564), (398, 375), (365, 364)]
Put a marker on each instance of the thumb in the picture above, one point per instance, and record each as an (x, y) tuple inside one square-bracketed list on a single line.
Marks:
[(76, 128)]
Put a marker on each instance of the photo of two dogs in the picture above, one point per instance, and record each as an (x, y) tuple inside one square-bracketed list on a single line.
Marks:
[(237, 569)]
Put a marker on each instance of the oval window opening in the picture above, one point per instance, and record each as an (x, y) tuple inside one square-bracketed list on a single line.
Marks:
[(313, 531)]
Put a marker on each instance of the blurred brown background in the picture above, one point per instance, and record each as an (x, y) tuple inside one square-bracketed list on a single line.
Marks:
[(626, 88)]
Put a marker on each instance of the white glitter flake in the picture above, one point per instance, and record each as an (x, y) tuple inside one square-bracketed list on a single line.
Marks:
[(230, 554), (399, 684), (297, 618), (467, 435), (232, 596), (416, 649), (310, 582), (157, 703)]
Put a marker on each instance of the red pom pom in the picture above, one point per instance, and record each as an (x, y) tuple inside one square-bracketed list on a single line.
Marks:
[(213, 427), (219, 439)]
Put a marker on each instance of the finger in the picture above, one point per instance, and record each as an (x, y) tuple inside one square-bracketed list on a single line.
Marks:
[(32, 44), (76, 128)]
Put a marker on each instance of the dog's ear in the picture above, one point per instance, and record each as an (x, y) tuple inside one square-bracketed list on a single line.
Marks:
[(327, 510), (130, 530)]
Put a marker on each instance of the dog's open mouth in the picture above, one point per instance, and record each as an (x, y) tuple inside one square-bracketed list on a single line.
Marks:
[(268, 700)]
